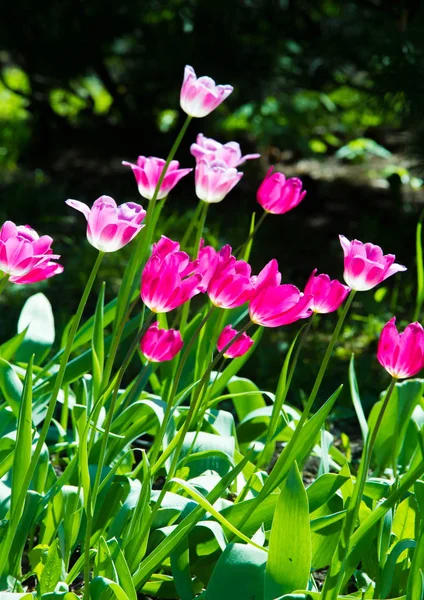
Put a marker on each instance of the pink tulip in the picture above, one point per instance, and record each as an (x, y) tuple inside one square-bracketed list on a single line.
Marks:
[(200, 96), (327, 295), (211, 150), (279, 305), (25, 257), (238, 348), (401, 354), (169, 278), (231, 285), (159, 345), (110, 227), (208, 259), (147, 172), (365, 266), (278, 195), (215, 180)]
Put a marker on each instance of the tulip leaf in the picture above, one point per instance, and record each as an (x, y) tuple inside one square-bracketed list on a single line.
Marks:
[(37, 319)]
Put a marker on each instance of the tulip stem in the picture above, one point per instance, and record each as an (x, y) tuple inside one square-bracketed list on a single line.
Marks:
[(201, 224), (16, 515), (273, 480), (253, 233), (174, 389), (91, 501), (3, 283), (130, 278), (191, 225), (178, 441), (334, 580)]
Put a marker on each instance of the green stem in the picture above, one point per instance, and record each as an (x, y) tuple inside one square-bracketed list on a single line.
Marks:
[(201, 224), (102, 454), (15, 517), (191, 225), (334, 579), (177, 443), (322, 371), (143, 240), (3, 283), (252, 234), (169, 405)]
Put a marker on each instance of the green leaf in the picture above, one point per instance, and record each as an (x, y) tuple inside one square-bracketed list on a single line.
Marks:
[(102, 588), (97, 343), (37, 318), (248, 403), (406, 395), (356, 399), (11, 386), (22, 458), (52, 571), (9, 348), (180, 566), (289, 557), (238, 574)]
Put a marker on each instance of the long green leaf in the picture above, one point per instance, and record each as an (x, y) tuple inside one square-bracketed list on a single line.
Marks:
[(289, 557)]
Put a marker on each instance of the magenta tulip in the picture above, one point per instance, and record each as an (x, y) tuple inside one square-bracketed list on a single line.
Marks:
[(237, 348), (110, 227), (25, 257), (200, 96), (278, 195), (231, 285), (212, 150), (159, 345), (147, 172), (169, 278), (401, 354), (215, 180), (365, 266), (327, 295), (279, 305)]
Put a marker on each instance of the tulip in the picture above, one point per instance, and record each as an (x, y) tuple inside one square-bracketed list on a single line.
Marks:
[(147, 173), (401, 354), (278, 195), (327, 295), (212, 150), (25, 257), (231, 285), (279, 305), (200, 96), (215, 180), (169, 278), (237, 348), (110, 227), (365, 266), (159, 345), (208, 259)]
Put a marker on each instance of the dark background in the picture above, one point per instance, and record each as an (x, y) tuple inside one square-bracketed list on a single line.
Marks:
[(331, 91)]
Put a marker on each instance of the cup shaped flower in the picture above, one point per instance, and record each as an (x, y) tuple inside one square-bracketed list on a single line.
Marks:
[(278, 195), (169, 278), (327, 295), (215, 180), (110, 227), (211, 150), (231, 285), (237, 348), (25, 257), (401, 354), (365, 266), (159, 345), (279, 305), (208, 259), (147, 173), (200, 96)]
